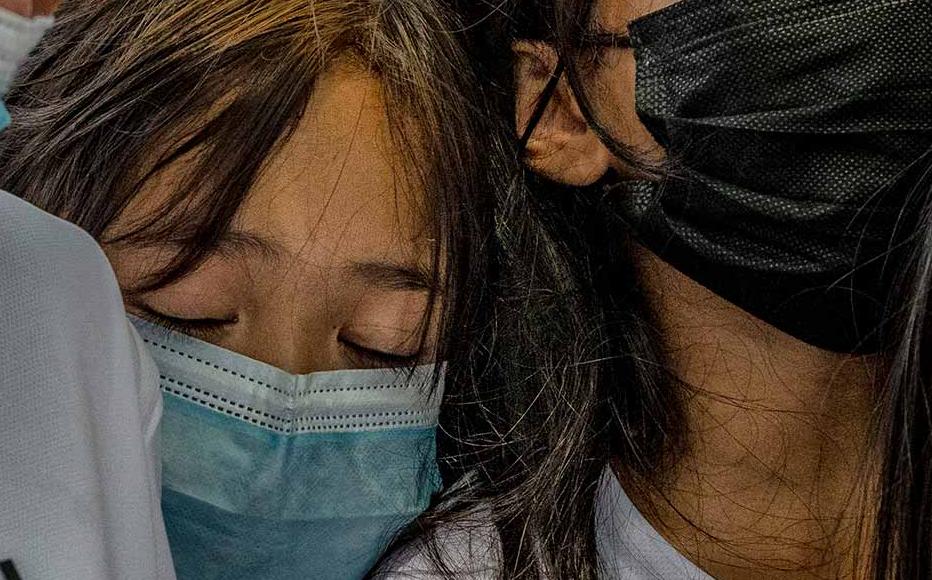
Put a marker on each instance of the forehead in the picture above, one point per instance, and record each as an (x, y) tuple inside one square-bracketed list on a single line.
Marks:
[(336, 191), (340, 185)]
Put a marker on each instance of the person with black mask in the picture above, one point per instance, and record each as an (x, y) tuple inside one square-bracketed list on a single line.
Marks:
[(756, 176)]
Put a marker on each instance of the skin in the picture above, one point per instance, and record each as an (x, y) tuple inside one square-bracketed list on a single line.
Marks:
[(338, 278), (771, 484), (30, 8)]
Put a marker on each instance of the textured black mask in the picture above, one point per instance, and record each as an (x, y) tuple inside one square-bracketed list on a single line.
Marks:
[(794, 130)]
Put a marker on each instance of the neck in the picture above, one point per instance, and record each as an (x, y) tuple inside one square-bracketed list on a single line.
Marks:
[(771, 481)]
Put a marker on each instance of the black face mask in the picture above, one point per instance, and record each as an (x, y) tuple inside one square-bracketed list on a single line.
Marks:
[(795, 129)]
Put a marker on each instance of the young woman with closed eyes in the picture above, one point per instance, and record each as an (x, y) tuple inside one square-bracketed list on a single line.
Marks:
[(301, 239)]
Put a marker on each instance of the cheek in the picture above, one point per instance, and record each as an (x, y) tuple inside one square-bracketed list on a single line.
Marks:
[(44, 7), (614, 102), (615, 82), (21, 7)]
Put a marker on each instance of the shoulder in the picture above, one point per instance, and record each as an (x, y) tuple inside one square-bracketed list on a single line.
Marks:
[(19, 35), (48, 256), (79, 392), (28, 232), (465, 550), (60, 301)]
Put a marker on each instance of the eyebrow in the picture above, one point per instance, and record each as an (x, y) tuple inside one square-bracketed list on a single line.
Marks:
[(394, 276), (386, 274), (237, 243)]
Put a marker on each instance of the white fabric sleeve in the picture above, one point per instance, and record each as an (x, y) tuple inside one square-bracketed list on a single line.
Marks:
[(79, 411), (468, 550)]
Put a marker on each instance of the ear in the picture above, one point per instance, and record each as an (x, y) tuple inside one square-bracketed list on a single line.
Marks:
[(562, 147)]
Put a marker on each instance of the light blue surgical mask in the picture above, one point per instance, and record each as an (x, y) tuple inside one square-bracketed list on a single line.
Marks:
[(19, 35), (272, 475)]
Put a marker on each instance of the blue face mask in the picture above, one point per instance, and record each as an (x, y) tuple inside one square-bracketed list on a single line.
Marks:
[(272, 475)]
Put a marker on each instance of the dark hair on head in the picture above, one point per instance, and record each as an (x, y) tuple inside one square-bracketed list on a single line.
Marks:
[(529, 441), (902, 532), (542, 501), (120, 90)]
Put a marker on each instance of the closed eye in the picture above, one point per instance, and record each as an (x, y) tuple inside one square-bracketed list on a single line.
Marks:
[(375, 357), (201, 328)]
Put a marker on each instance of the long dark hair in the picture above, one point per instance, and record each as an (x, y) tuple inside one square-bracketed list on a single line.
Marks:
[(119, 90), (903, 423), (640, 421), (573, 375)]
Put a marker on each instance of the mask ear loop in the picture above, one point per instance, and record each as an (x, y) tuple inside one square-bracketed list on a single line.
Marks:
[(590, 40)]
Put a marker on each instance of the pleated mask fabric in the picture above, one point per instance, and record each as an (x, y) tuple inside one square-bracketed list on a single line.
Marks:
[(267, 474), (794, 130)]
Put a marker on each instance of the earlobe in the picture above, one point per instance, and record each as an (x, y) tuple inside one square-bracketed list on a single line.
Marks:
[(579, 160), (562, 147)]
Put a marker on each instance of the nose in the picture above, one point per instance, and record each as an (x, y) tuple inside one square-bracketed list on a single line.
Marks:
[(298, 349), (297, 341)]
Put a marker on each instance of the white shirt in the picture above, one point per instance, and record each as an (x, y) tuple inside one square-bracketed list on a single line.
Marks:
[(79, 410), (629, 548)]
